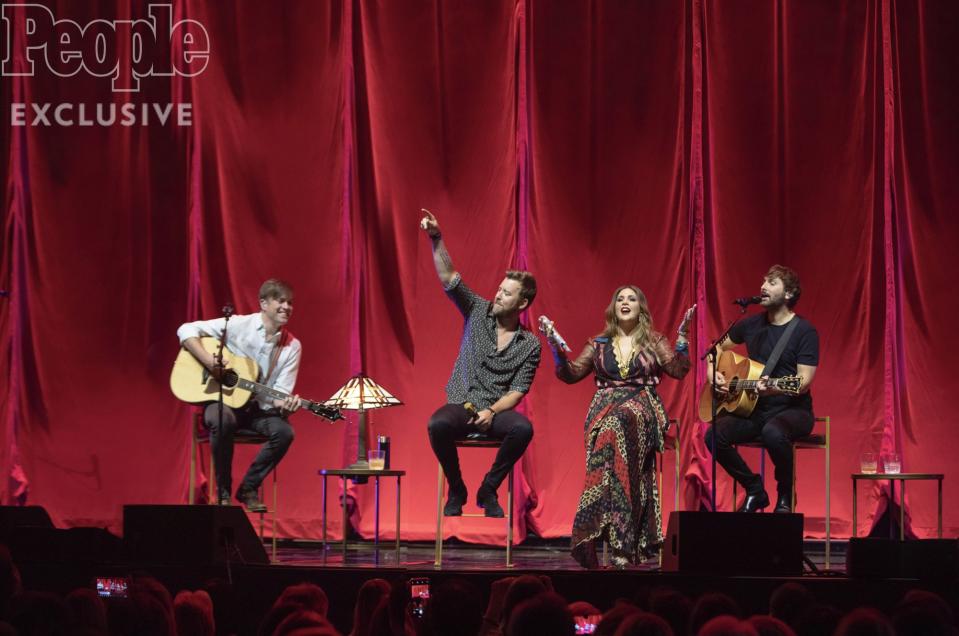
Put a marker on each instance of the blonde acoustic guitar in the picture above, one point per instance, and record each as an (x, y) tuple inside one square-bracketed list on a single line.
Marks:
[(193, 383), (742, 375)]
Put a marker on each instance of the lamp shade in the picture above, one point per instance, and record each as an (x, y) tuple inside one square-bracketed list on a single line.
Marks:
[(361, 393)]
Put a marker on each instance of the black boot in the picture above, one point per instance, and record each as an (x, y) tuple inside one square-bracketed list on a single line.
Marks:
[(250, 498), (754, 502), (455, 499), (487, 500), (784, 503)]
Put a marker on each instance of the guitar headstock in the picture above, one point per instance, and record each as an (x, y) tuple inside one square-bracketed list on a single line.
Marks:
[(330, 413), (789, 384)]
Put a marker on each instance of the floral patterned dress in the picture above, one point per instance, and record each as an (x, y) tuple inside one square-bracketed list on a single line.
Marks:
[(625, 426)]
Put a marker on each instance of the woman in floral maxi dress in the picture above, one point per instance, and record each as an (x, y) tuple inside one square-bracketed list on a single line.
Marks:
[(625, 426)]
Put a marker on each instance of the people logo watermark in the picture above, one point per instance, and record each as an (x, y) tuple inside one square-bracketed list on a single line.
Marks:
[(123, 52)]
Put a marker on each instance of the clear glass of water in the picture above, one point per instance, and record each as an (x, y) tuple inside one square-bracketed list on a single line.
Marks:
[(868, 464), (376, 459), (891, 464)]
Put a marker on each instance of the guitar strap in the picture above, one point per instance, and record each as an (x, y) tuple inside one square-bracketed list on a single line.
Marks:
[(275, 356), (780, 345)]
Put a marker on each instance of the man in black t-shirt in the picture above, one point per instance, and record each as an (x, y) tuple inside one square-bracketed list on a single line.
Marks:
[(778, 418)]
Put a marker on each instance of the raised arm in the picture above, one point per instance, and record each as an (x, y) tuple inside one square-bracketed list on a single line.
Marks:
[(441, 257)]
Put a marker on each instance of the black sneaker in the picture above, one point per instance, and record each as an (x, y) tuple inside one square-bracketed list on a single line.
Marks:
[(223, 497), (455, 500), (487, 500), (249, 498)]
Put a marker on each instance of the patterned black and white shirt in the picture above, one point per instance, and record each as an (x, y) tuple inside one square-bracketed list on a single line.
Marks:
[(481, 374)]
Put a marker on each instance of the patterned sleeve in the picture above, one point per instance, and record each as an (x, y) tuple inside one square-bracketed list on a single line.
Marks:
[(674, 363), (572, 371), (523, 379), (465, 299)]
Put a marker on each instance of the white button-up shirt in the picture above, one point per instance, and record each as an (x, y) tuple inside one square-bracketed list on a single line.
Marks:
[(246, 336)]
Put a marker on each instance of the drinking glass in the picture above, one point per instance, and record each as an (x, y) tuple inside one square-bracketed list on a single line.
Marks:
[(377, 459), (868, 463), (891, 463)]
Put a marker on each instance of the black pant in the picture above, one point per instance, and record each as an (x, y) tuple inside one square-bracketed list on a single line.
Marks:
[(451, 423), (776, 432), (267, 423)]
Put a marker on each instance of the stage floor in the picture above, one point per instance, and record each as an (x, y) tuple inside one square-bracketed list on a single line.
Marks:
[(458, 557)]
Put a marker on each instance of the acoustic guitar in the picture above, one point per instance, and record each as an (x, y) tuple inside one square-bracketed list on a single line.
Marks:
[(192, 382), (742, 376)]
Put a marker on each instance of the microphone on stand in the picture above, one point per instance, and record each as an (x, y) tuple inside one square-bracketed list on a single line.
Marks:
[(228, 310), (747, 300)]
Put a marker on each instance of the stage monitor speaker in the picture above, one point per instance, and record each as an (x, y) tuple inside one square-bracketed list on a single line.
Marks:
[(872, 557), (13, 517), (190, 535), (736, 543)]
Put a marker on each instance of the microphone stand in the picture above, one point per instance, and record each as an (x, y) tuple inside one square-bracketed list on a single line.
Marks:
[(219, 370), (712, 351)]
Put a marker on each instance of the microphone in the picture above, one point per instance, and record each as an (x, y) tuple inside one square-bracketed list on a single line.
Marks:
[(748, 300), (228, 310), (548, 330)]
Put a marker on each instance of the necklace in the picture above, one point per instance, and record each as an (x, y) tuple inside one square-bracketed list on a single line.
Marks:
[(624, 364)]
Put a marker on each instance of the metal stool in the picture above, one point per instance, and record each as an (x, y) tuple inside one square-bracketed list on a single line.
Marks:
[(816, 441), (201, 435), (477, 442)]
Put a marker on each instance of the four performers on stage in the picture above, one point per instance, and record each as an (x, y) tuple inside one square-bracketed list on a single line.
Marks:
[(494, 369)]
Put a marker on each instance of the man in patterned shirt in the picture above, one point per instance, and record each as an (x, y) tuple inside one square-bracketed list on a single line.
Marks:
[(493, 371)]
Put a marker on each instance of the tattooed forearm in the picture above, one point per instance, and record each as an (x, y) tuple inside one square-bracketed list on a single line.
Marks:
[(442, 261)]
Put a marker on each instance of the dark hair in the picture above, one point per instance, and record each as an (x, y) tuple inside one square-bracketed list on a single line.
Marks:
[(865, 620), (308, 596), (789, 601), (544, 614), (709, 606), (454, 609), (527, 284), (275, 288), (790, 280)]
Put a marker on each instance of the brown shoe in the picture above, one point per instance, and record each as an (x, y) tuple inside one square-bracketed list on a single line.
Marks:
[(250, 499)]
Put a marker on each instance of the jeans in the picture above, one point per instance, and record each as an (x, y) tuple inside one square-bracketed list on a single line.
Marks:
[(251, 418), (776, 431), (451, 423)]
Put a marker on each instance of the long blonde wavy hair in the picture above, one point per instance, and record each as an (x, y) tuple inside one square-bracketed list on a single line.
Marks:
[(644, 328)]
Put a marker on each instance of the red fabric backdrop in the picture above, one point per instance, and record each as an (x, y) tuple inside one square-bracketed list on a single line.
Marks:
[(683, 147)]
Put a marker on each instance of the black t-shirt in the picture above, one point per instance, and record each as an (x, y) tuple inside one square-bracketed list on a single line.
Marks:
[(761, 337)]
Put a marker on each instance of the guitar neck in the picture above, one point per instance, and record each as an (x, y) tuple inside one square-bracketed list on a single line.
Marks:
[(262, 390), (740, 384)]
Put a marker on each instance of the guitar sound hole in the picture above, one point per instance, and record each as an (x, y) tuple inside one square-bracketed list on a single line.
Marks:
[(230, 378)]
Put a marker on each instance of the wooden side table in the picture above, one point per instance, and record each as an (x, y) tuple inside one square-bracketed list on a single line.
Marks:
[(347, 473), (902, 478)]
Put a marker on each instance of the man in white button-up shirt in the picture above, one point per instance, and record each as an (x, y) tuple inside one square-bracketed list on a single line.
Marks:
[(262, 337)]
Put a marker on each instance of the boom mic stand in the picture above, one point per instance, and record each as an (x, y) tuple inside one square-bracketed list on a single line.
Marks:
[(712, 351)]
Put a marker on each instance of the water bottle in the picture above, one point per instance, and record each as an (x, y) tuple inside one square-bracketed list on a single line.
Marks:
[(383, 444)]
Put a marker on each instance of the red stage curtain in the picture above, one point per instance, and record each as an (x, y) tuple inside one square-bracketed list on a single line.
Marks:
[(682, 147)]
